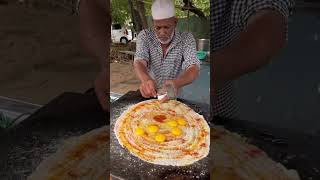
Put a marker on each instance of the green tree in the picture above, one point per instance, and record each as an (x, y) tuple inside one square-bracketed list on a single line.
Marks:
[(202, 5), (130, 10), (120, 11)]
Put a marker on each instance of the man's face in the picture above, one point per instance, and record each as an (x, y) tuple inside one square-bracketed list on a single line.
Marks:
[(164, 29)]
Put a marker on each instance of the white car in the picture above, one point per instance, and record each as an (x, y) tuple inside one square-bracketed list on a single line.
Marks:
[(120, 34)]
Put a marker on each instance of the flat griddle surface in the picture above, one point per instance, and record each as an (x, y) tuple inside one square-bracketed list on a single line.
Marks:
[(70, 114), (26, 145), (293, 149), (125, 165)]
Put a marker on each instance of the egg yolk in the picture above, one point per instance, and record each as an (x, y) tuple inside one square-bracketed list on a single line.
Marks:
[(139, 131), (153, 128), (176, 131), (181, 121), (160, 138), (172, 123)]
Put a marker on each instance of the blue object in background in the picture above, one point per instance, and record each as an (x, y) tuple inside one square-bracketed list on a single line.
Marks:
[(199, 90)]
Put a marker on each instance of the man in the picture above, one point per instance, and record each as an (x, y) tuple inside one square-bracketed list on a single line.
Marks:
[(95, 34), (164, 56), (245, 35)]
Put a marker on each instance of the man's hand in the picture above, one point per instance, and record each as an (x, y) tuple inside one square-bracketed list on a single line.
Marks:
[(100, 87), (148, 88), (176, 88), (187, 77)]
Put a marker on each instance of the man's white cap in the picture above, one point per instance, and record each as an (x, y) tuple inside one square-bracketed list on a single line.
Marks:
[(162, 9)]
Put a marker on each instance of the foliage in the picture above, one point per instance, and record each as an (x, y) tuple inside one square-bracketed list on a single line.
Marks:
[(121, 12), (203, 5)]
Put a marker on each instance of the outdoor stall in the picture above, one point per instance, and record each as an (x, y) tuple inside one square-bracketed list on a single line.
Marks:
[(25, 145)]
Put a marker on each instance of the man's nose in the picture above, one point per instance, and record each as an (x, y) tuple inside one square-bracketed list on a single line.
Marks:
[(162, 31)]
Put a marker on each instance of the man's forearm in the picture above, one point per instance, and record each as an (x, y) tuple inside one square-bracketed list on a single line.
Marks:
[(140, 68), (187, 76), (253, 48), (95, 28)]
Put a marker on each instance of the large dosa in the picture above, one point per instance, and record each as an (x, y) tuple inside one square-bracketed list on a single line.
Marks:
[(83, 157), (184, 134), (232, 158)]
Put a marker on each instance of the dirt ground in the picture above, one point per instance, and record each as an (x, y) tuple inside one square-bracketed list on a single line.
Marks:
[(41, 57), (123, 78)]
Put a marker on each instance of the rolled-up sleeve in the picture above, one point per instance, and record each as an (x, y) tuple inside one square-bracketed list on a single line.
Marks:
[(284, 7), (189, 53), (142, 50)]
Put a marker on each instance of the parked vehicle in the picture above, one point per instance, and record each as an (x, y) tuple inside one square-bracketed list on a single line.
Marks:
[(120, 34)]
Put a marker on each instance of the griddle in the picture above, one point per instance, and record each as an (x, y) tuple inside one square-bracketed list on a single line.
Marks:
[(126, 166), (295, 150), (24, 146)]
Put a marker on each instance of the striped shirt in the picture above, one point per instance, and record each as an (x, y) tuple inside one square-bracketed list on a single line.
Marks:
[(228, 18), (180, 55)]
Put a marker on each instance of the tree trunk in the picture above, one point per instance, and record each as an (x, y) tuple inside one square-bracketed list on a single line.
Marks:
[(142, 14), (133, 15), (188, 5), (138, 15)]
